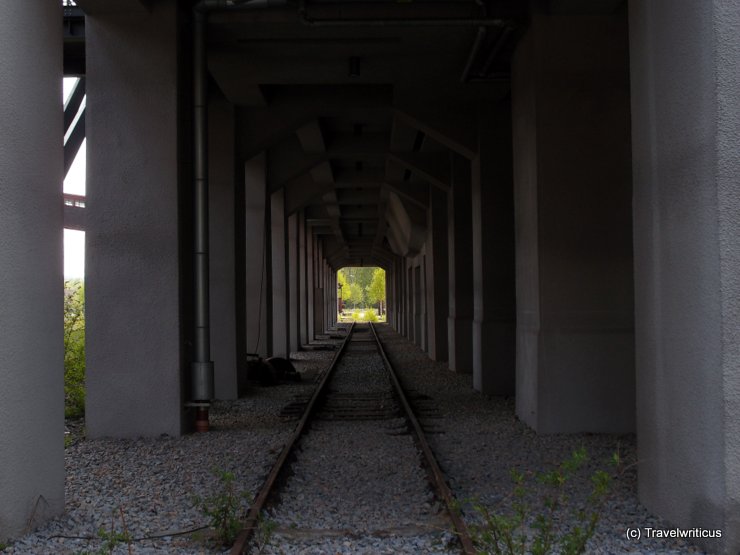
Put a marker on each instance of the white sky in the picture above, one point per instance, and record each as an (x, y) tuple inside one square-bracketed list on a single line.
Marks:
[(74, 241)]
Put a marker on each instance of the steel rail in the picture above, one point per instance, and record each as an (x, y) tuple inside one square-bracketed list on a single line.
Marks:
[(438, 476), (251, 522)]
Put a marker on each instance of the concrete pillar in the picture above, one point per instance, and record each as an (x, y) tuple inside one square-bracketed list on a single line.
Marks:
[(293, 285), (279, 275), (437, 291), (133, 297), (303, 335), (417, 277), (255, 257), (575, 339), (318, 293), (410, 318), (329, 296), (460, 268), (493, 254), (31, 352), (310, 284), (685, 78), (222, 235)]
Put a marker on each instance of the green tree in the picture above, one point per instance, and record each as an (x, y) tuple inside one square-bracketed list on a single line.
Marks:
[(376, 289), (74, 349), (357, 295)]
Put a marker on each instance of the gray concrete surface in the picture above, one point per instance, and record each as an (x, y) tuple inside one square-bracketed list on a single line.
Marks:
[(493, 254), (685, 73), (31, 347), (134, 353), (575, 361), (222, 256)]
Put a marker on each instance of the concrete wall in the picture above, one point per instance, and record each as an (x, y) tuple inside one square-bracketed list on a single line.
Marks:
[(134, 365), (222, 250), (31, 345), (685, 75), (570, 89)]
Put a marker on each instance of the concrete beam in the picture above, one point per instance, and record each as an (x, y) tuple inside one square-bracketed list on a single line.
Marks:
[(430, 166), (291, 108), (106, 7)]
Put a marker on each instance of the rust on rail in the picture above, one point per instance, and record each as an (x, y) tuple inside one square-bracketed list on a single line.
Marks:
[(252, 520), (438, 476)]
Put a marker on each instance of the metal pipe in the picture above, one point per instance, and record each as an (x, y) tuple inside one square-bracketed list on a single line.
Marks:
[(432, 22), (202, 366), (480, 37), (424, 22)]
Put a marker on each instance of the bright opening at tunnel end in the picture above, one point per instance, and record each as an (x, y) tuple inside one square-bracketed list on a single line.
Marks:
[(361, 294)]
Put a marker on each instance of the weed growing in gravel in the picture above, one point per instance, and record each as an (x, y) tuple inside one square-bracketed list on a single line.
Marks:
[(112, 538), (224, 509), (264, 533), (527, 529)]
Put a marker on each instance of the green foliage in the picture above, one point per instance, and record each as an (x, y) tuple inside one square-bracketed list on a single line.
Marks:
[(376, 289), (356, 283), (112, 539), (224, 509), (263, 535), (74, 349), (528, 530)]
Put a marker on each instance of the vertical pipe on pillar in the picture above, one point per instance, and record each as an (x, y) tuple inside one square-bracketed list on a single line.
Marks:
[(202, 366)]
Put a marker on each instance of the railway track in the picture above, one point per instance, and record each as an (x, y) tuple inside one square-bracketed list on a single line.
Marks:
[(358, 464)]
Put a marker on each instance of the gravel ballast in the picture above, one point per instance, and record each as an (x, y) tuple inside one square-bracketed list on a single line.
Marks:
[(482, 441), (358, 486), (344, 474), (153, 481)]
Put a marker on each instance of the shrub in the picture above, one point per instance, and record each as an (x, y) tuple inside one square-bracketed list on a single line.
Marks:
[(530, 529), (74, 349), (224, 509)]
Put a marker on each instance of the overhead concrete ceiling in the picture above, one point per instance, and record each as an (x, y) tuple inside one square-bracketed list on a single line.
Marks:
[(359, 105)]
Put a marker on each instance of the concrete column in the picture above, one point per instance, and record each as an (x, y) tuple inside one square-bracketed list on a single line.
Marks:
[(294, 285), (493, 254), (222, 235), (318, 293), (255, 257), (310, 284), (279, 276), (460, 268), (133, 297), (303, 335), (685, 78), (31, 352), (410, 318), (417, 278), (330, 303), (437, 291), (575, 339)]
